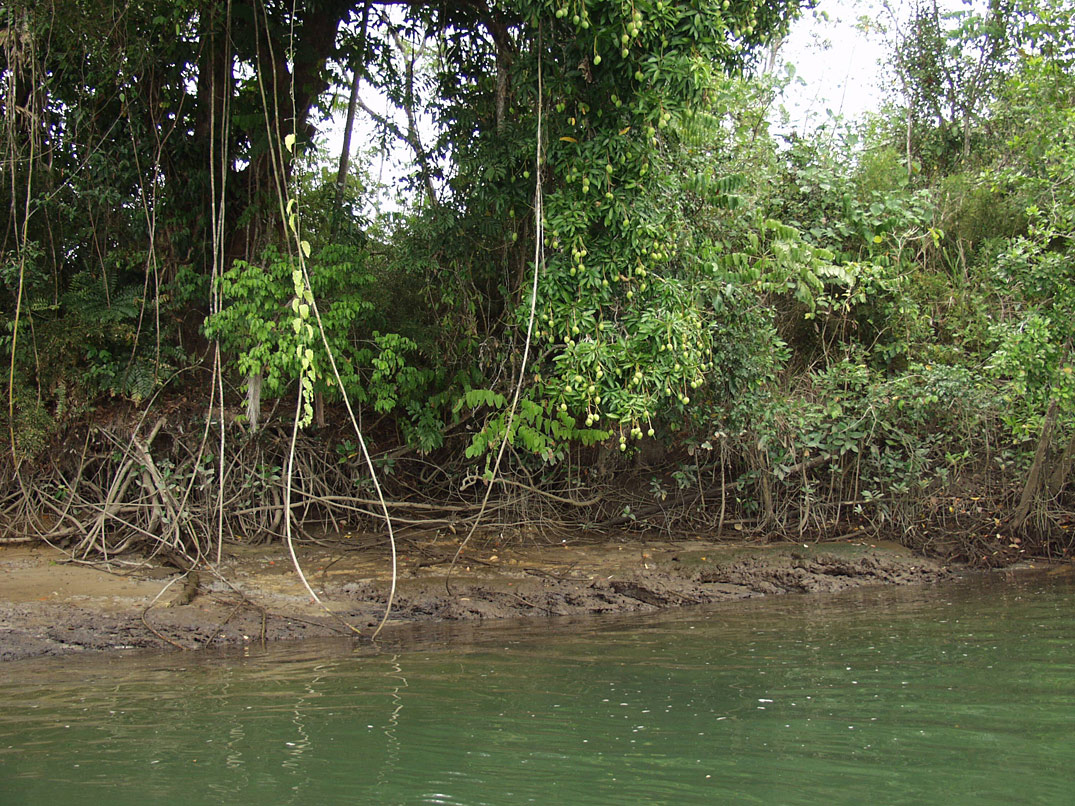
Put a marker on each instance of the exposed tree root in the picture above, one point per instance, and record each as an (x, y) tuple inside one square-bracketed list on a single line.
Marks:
[(121, 488)]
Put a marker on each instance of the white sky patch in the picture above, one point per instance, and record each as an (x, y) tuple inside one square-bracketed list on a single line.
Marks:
[(837, 64)]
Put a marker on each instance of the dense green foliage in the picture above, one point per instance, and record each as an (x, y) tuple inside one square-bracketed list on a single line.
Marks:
[(868, 324)]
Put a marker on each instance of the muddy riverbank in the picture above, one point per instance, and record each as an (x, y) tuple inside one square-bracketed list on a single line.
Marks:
[(50, 605)]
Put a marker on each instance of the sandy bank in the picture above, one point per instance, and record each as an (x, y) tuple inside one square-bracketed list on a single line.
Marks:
[(50, 605)]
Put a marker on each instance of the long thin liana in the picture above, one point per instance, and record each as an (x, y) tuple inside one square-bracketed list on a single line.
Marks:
[(539, 237)]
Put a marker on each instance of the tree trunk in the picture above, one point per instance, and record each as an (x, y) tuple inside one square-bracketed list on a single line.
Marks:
[(253, 401), (1060, 473), (349, 125), (1033, 478)]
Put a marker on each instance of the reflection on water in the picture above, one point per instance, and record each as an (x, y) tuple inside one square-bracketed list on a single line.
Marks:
[(957, 694)]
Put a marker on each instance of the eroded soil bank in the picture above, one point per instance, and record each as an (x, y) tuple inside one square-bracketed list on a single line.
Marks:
[(50, 605)]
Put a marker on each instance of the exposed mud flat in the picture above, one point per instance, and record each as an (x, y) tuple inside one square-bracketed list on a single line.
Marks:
[(50, 606)]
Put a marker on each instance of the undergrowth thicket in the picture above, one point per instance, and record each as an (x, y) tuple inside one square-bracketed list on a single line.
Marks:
[(865, 329)]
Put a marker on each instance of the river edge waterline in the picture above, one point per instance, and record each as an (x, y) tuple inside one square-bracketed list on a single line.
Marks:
[(50, 606)]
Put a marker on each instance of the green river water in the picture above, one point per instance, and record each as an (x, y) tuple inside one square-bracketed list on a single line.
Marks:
[(957, 694)]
